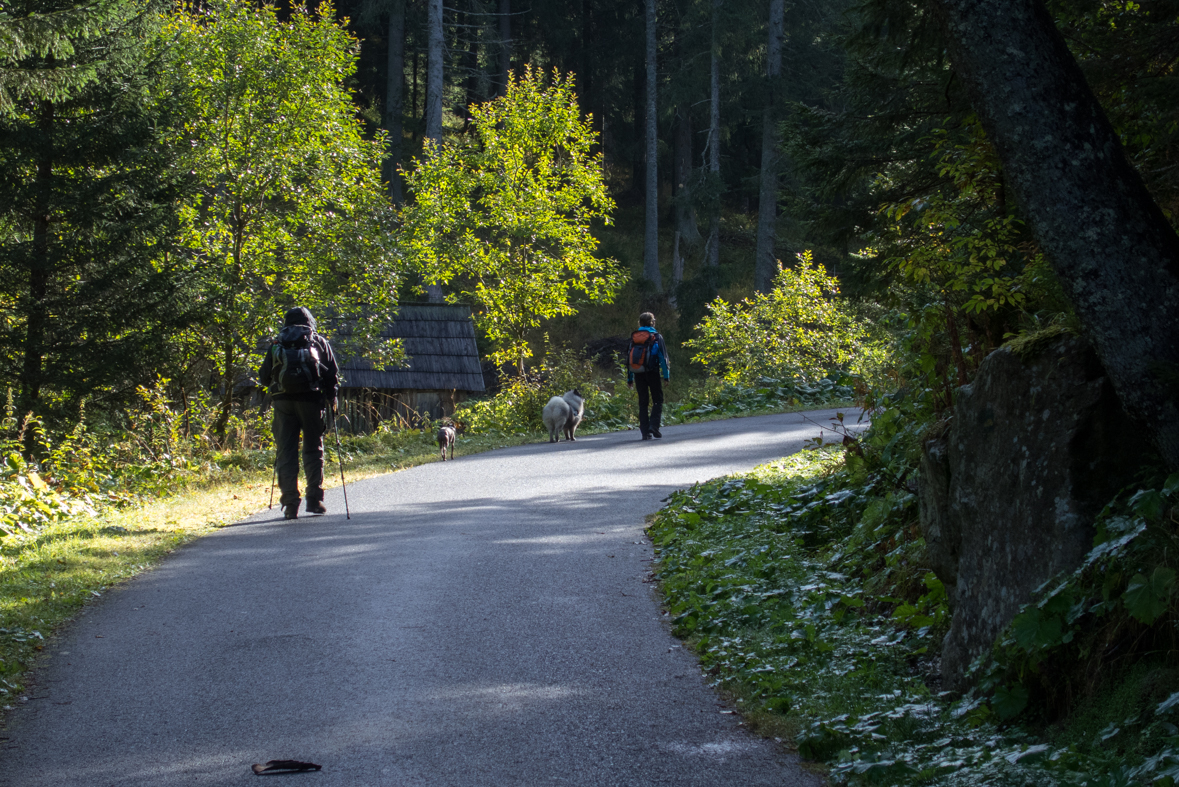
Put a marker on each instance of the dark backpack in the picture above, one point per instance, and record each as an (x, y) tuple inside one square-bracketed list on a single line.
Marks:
[(294, 360), (640, 355)]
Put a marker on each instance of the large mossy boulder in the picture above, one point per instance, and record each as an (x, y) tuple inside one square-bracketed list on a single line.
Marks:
[(1038, 444)]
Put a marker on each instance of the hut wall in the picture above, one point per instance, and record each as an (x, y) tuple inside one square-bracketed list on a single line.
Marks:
[(365, 409)]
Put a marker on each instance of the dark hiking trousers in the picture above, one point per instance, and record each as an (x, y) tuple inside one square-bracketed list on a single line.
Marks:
[(650, 387), (290, 420)]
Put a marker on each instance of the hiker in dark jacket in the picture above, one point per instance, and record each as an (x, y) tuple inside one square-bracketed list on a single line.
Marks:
[(648, 379), (301, 374)]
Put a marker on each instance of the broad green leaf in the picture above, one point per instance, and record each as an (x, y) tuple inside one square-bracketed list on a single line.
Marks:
[(1147, 598), (1010, 700)]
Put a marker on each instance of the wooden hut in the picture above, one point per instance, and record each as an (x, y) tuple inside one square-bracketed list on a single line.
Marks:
[(439, 339)]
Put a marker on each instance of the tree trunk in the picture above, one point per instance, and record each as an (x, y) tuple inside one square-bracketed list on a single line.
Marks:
[(651, 236), (40, 269), (685, 213), (585, 60), (413, 100), (713, 254), (765, 266), (637, 158), (505, 45), (677, 269), (1112, 247), (471, 66), (434, 74), (395, 97)]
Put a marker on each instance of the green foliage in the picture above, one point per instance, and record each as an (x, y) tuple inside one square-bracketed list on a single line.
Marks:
[(1120, 46), (966, 273), (503, 217), (799, 328), (982, 263), (95, 467), (27, 502), (715, 398), (801, 588), (89, 294), (516, 409), (291, 208), (73, 478), (50, 51), (1117, 609)]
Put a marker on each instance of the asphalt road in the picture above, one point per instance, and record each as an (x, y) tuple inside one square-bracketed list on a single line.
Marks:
[(479, 622)]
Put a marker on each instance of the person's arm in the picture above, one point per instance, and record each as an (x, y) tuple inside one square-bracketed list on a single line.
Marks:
[(331, 372), (267, 367), (664, 363)]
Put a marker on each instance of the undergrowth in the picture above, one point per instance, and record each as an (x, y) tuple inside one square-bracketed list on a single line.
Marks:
[(611, 406), (800, 587)]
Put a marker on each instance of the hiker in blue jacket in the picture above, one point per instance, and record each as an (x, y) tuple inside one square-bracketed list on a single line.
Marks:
[(647, 367)]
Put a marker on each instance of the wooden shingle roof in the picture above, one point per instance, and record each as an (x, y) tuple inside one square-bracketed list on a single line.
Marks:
[(439, 339)]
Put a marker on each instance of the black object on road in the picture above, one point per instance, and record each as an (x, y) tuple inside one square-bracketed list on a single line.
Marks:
[(285, 766), (340, 459)]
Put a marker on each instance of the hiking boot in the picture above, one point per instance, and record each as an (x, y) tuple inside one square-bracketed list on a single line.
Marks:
[(291, 511), (315, 507), (656, 433)]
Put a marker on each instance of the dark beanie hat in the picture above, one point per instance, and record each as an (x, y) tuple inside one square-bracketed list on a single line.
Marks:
[(300, 316)]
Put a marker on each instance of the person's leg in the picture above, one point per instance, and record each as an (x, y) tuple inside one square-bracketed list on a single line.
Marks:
[(641, 385), (656, 404), (314, 425), (286, 451)]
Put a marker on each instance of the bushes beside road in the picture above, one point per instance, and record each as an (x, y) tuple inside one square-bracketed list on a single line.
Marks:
[(800, 587)]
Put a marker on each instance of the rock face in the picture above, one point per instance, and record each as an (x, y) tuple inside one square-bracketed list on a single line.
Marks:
[(1038, 445)]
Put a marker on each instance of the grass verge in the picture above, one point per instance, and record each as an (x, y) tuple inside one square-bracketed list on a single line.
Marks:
[(799, 587)]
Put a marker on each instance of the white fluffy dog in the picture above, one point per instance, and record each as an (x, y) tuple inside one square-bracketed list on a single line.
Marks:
[(563, 414)]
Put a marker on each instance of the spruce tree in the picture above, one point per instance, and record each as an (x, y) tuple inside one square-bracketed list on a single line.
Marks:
[(88, 286)]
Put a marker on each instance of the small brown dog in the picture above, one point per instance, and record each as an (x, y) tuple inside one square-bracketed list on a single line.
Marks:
[(446, 435)]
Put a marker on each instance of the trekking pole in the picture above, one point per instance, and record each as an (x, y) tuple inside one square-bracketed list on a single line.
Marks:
[(340, 458), (273, 478)]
